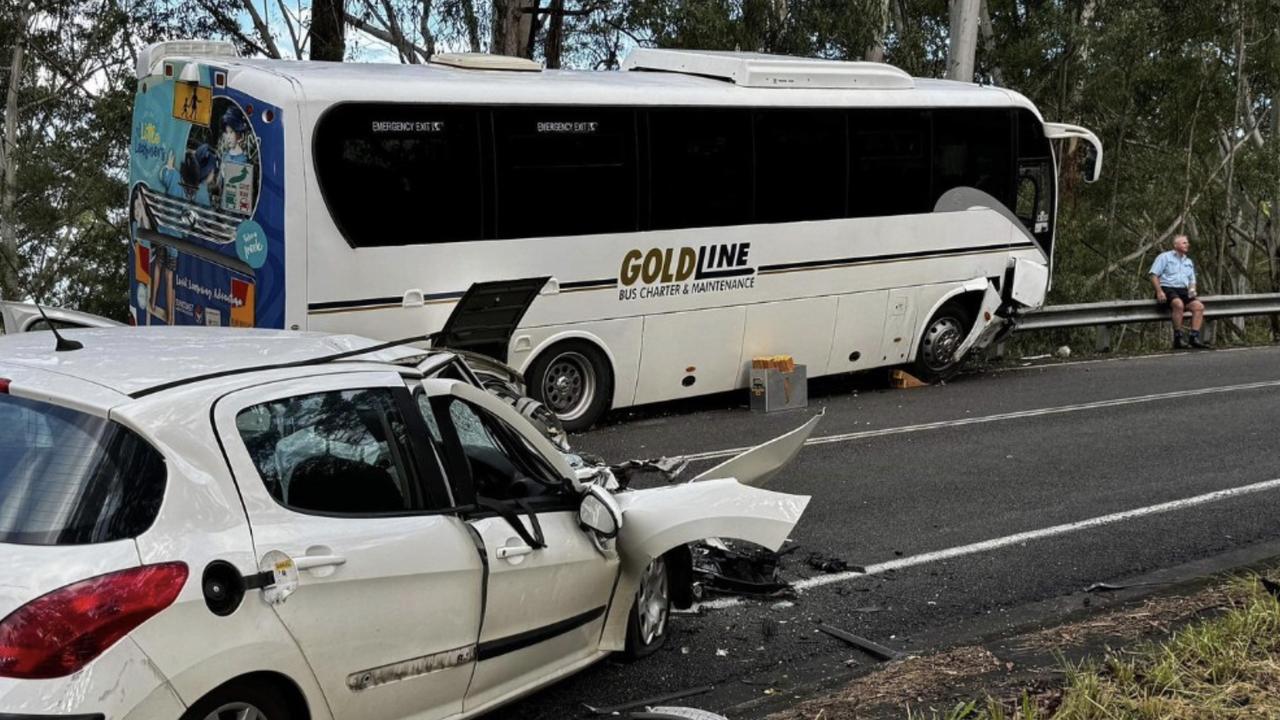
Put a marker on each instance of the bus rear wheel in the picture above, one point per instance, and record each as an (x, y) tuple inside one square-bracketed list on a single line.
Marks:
[(935, 358), (573, 379)]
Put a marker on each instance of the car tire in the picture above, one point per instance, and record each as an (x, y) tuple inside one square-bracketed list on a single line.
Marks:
[(230, 702), (650, 616), (945, 331), (574, 380)]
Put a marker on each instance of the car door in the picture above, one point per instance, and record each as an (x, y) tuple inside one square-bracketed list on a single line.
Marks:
[(344, 496), (548, 586)]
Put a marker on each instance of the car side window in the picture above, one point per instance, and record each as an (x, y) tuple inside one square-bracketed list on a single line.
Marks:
[(502, 466), (343, 452)]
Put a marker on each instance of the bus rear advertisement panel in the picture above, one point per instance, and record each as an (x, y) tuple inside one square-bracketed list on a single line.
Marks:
[(206, 203)]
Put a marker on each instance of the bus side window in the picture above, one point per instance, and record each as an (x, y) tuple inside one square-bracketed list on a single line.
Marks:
[(888, 163), (700, 170), (801, 165), (564, 171), (401, 174), (973, 148)]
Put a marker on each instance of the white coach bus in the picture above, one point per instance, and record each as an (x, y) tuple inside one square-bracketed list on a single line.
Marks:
[(681, 216)]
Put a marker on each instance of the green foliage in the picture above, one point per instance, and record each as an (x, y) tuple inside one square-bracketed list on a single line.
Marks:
[(1182, 95)]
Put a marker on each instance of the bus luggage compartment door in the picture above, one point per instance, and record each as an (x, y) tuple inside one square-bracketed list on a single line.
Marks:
[(690, 353)]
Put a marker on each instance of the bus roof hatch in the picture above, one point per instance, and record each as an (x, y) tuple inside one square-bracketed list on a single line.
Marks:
[(771, 71)]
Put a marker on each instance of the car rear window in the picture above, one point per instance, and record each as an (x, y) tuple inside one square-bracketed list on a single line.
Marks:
[(68, 478)]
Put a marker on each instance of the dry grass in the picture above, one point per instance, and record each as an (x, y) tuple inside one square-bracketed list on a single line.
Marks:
[(1224, 668)]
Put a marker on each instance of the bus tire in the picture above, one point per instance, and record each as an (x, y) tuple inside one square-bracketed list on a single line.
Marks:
[(944, 332), (574, 380)]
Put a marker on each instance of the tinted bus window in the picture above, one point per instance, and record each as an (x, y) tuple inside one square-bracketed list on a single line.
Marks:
[(973, 148), (889, 163), (396, 174), (564, 171), (700, 168), (801, 165), (1031, 140)]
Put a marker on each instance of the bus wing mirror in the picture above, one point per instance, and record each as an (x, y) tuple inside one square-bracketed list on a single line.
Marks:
[(1093, 159), (1092, 164)]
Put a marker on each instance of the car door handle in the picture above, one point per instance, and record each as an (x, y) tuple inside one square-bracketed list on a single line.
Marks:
[(311, 562), (511, 551)]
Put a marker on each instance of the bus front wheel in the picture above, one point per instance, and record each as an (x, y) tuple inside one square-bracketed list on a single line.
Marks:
[(935, 359), (574, 380)]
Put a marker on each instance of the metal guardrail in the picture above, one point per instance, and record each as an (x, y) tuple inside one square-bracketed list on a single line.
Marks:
[(1102, 315)]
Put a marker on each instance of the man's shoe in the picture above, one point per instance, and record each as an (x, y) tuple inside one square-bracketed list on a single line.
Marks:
[(1199, 344), (1177, 341)]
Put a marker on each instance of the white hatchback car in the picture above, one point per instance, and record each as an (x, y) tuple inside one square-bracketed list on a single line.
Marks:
[(207, 524)]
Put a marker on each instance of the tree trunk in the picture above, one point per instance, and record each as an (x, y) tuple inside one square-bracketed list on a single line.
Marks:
[(328, 30), (555, 33), (964, 39), (9, 162), (875, 53), (473, 24), (989, 40), (512, 27)]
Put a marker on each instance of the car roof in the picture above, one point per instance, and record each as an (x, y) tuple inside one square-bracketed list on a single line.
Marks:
[(24, 313), (130, 360)]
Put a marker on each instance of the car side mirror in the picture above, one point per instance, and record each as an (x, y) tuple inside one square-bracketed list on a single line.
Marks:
[(600, 512)]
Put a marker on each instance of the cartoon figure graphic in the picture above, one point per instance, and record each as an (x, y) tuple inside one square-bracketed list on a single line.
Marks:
[(191, 182), (232, 145)]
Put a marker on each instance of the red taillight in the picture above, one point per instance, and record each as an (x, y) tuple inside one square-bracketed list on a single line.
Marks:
[(59, 633), (4, 386)]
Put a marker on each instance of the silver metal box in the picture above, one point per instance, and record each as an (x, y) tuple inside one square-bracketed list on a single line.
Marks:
[(773, 390)]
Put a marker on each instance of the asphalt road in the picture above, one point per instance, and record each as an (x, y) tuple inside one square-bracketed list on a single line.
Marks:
[(1023, 487)]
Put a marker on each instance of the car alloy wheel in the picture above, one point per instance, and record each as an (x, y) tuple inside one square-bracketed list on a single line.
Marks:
[(653, 601), (237, 711)]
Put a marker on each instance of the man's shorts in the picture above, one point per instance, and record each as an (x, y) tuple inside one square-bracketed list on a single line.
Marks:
[(1172, 292)]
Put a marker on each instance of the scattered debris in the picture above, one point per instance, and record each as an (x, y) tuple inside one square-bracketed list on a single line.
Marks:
[(729, 569), (782, 605), (721, 652), (648, 702), (829, 563), (668, 468), (676, 713), (903, 380), (1063, 352), (1111, 587), (861, 643)]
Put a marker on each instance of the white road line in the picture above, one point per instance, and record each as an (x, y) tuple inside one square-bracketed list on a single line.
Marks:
[(1015, 539), (1038, 412)]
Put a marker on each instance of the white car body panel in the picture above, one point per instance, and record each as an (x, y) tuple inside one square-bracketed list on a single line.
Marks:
[(393, 631), (16, 317), (399, 574), (567, 580), (758, 465), (138, 691), (655, 521)]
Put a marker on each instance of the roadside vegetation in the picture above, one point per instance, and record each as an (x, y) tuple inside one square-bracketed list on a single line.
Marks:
[(1224, 667), (1182, 95)]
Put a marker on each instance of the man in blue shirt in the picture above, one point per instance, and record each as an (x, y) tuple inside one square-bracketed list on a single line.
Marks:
[(1174, 277)]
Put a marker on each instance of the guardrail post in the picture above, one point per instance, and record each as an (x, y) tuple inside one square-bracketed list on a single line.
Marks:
[(1206, 331), (1103, 343)]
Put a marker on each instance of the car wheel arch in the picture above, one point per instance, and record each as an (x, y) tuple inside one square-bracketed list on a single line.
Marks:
[(285, 687)]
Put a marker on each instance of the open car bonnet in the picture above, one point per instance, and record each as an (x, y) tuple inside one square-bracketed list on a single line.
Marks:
[(487, 315)]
